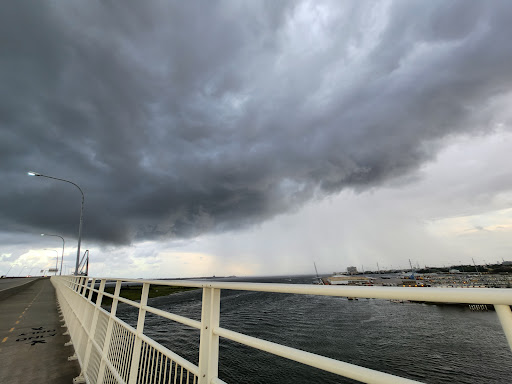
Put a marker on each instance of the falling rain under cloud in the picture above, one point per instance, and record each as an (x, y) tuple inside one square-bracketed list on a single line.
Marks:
[(182, 119)]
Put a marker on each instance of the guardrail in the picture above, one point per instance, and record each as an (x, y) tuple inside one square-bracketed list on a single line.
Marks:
[(111, 351)]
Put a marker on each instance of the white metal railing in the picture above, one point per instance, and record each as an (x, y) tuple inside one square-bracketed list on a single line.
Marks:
[(111, 351)]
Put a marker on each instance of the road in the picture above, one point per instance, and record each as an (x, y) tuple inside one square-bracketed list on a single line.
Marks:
[(11, 283), (31, 338)]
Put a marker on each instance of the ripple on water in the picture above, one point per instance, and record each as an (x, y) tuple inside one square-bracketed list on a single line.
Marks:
[(422, 342)]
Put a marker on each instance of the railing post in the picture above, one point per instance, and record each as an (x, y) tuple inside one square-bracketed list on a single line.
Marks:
[(134, 369), (108, 334), (505, 316), (209, 343), (93, 326)]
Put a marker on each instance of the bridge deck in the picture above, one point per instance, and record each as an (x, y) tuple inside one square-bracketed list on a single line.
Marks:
[(31, 338)]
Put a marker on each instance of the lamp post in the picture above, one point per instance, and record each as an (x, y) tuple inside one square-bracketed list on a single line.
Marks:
[(21, 271), (9, 270), (63, 242), (57, 261), (81, 213)]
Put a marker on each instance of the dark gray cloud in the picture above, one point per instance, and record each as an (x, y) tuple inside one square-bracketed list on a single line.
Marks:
[(179, 118)]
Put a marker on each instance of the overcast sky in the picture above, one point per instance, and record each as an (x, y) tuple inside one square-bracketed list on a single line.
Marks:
[(255, 137)]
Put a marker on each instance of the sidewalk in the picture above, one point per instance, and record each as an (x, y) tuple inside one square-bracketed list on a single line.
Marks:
[(31, 338)]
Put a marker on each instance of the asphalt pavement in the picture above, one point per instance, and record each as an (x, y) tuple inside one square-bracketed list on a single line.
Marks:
[(31, 338), (10, 282)]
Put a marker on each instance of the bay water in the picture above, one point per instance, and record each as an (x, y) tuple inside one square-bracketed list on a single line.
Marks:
[(423, 342)]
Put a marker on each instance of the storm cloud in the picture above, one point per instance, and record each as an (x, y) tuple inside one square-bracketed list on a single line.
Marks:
[(182, 118)]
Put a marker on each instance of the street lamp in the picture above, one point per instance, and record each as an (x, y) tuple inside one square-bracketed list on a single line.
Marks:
[(62, 257), (81, 214), (9, 270), (56, 262)]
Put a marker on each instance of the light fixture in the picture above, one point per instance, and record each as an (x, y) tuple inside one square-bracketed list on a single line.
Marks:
[(31, 173)]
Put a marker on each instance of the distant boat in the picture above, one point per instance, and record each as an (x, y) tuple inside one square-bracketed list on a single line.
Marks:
[(317, 280)]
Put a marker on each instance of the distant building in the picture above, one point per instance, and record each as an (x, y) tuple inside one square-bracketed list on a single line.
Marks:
[(350, 280), (454, 271), (506, 263), (352, 270)]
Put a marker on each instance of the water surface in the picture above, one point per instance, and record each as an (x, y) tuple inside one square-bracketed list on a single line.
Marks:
[(428, 343)]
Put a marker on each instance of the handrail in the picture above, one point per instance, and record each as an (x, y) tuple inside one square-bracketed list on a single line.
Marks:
[(177, 318), (126, 353), (495, 296)]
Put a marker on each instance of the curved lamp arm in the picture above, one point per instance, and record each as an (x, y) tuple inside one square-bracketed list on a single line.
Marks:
[(81, 214)]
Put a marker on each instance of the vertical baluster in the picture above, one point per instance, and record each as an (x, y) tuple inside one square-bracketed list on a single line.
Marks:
[(114, 348), (170, 371), (154, 354), (160, 370), (148, 364), (93, 325), (108, 334), (127, 348), (151, 364), (143, 363), (165, 369), (122, 351), (140, 328)]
